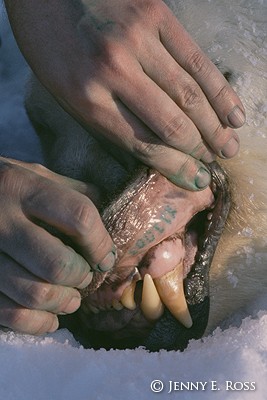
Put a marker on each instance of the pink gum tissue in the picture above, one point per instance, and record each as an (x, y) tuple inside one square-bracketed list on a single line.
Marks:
[(166, 256)]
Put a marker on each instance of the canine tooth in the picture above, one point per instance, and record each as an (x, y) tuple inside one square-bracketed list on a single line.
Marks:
[(127, 298), (171, 290), (117, 305), (151, 304)]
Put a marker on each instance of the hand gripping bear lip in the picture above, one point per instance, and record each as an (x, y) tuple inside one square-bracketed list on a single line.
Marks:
[(157, 293)]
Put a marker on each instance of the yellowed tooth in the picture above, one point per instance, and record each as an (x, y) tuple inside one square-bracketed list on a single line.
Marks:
[(151, 304), (117, 305), (127, 298), (171, 291)]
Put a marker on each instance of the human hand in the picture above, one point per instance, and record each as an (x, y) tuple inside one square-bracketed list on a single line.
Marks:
[(129, 71), (39, 274)]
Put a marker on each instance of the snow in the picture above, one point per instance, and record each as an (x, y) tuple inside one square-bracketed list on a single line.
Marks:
[(56, 367)]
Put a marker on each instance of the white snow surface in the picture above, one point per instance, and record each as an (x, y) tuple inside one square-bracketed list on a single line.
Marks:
[(56, 367)]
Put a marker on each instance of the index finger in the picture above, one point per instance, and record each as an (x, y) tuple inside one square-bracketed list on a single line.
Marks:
[(189, 56)]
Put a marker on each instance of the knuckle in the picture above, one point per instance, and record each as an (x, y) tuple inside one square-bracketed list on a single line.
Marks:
[(174, 129), (84, 218), (38, 295), (59, 268), (197, 64), (140, 7), (18, 318), (199, 151), (190, 96), (113, 60), (146, 151), (223, 94), (39, 168), (151, 8), (216, 135)]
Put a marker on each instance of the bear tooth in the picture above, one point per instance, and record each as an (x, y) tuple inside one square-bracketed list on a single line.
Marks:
[(127, 298), (151, 304), (171, 291), (117, 305)]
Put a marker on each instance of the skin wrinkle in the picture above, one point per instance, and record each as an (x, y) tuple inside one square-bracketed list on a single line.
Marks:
[(117, 54), (65, 57)]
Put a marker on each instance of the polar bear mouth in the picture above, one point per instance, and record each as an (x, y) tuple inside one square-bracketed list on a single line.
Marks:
[(149, 306)]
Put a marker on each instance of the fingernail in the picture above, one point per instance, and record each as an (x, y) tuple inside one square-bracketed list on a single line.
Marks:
[(236, 118), (203, 178), (107, 263), (87, 280), (54, 326), (230, 149), (73, 305)]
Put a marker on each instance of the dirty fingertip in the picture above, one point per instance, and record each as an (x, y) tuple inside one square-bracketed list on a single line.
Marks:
[(107, 263), (199, 182), (203, 178)]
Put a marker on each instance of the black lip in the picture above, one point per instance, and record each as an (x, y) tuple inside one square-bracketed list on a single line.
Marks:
[(167, 333)]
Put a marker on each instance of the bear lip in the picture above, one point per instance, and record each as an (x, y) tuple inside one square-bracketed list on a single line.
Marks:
[(195, 285)]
